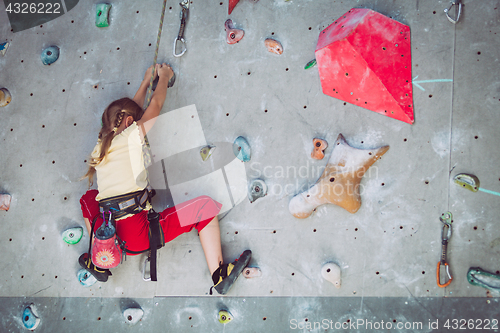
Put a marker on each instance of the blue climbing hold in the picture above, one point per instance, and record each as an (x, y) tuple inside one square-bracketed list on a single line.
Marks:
[(50, 55), (3, 48), (30, 320), (86, 279), (241, 149)]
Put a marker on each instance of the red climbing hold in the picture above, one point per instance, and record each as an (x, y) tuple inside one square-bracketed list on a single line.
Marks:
[(364, 58), (232, 4)]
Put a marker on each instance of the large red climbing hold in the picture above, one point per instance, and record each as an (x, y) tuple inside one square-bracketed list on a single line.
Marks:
[(232, 4), (364, 58)]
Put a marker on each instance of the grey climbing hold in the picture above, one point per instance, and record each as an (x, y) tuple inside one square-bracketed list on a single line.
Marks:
[(5, 97), (258, 189), (86, 279), (30, 318), (241, 149), (206, 152), (133, 315), (3, 48), (50, 55)]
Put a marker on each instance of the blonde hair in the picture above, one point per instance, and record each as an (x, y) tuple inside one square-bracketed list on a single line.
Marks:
[(111, 121)]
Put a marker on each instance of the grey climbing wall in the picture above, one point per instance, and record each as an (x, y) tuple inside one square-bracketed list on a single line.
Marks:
[(387, 251)]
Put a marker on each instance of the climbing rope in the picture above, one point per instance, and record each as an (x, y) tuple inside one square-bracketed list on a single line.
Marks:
[(146, 150), (150, 88)]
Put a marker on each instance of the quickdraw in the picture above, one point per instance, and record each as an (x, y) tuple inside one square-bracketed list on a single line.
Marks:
[(180, 37), (446, 219)]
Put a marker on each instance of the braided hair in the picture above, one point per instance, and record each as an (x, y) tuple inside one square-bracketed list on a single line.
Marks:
[(112, 118)]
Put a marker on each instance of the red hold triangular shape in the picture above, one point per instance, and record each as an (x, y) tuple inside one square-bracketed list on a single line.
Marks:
[(232, 4), (364, 58)]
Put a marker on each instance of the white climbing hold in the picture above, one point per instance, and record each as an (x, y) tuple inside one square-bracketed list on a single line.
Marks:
[(331, 273), (252, 272), (133, 315)]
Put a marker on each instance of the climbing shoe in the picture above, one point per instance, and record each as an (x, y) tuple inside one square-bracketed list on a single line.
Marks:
[(99, 273), (226, 274)]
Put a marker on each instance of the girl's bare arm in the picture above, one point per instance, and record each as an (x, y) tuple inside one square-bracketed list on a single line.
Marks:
[(147, 121), (140, 95)]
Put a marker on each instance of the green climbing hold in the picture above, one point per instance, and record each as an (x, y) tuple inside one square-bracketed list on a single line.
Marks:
[(73, 235), (225, 317), (479, 277), (469, 182), (310, 64), (102, 15)]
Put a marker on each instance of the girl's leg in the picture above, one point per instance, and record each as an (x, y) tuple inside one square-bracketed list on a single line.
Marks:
[(89, 228), (87, 224), (210, 242)]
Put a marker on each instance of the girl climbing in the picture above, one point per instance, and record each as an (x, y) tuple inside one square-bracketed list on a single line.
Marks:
[(122, 195)]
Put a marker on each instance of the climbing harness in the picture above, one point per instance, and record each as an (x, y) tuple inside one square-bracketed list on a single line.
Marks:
[(180, 37), (130, 203), (458, 10), (108, 250), (446, 219)]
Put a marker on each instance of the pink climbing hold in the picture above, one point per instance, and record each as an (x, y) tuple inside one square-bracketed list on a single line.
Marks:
[(5, 201), (232, 4), (233, 35)]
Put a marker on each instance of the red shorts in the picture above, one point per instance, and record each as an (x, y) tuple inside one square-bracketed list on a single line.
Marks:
[(133, 230)]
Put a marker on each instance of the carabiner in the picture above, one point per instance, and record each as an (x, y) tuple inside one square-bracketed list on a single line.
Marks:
[(148, 258), (175, 47), (458, 11), (180, 37), (438, 275), (446, 219)]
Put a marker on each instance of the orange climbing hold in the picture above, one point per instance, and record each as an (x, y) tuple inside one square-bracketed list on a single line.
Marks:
[(339, 183), (319, 149), (273, 46)]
